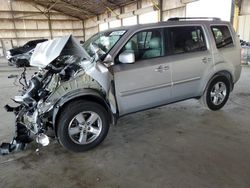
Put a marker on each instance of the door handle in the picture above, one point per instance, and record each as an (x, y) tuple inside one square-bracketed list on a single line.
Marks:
[(204, 59), (162, 68)]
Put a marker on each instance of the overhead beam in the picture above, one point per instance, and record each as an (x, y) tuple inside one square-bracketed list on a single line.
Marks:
[(58, 10), (71, 6), (50, 26), (76, 9), (52, 5)]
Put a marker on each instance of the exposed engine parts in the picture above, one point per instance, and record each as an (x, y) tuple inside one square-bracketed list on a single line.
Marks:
[(19, 142), (30, 119), (66, 76)]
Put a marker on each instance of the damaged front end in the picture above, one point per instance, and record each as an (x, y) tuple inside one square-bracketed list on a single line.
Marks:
[(65, 71)]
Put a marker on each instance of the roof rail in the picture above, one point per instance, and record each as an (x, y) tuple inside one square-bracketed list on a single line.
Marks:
[(193, 18)]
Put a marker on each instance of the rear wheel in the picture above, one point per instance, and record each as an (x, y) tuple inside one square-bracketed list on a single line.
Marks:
[(217, 93), (82, 125)]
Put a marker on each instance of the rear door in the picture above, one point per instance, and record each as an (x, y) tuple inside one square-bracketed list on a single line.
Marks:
[(227, 50), (147, 82), (191, 60)]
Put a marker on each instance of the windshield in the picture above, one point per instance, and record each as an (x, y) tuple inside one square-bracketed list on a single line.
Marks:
[(105, 41)]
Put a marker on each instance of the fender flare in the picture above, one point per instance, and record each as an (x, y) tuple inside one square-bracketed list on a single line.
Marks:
[(85, 93), (224, 73)]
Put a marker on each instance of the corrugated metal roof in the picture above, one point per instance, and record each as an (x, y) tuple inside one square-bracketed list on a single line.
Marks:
[(82, 9)]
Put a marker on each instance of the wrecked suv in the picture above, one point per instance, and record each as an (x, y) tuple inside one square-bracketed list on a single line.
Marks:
[(78, 92)]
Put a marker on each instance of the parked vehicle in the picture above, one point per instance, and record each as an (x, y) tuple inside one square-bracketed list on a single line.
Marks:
[(79, 92), (244, 43), (20, 56), (21, 60)]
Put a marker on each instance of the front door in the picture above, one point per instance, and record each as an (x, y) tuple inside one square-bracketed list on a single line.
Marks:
[(147, 82)]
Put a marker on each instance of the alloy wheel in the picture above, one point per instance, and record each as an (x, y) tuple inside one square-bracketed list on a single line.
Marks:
[(218, 93), (85, 127)]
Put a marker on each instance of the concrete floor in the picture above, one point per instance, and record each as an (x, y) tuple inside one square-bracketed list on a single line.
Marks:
[(178, 146)]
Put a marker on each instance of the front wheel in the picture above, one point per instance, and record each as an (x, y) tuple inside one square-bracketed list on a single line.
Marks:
[(217, 93), (82, 125)]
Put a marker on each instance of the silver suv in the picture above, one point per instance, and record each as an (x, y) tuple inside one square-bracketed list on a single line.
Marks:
[(79, 92)]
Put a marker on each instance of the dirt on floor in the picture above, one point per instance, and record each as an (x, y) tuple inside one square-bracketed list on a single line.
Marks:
[(181, 145)]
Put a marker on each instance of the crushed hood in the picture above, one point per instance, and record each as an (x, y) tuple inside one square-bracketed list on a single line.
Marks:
[(48, 51)]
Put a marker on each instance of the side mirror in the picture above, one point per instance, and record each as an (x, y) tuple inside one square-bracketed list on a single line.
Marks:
[(108, 60), (127, 57)]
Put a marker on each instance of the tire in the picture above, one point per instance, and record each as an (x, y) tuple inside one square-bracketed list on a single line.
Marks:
[(82, 125), (216, 93)]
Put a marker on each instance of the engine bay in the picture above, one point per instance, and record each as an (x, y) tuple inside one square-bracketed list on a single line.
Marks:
[(38, 101)]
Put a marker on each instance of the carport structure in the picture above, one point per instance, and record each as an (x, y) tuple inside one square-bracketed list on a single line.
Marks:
[(179, 145), (24, 20), (82, 9)]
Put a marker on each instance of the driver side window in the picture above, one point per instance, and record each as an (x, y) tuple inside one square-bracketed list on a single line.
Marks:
[(145, 44)]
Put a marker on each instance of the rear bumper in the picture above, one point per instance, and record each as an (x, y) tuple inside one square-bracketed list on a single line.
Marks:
[(237, 73)]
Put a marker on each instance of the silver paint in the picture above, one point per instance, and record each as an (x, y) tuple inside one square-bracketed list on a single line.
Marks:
[(48, 51)]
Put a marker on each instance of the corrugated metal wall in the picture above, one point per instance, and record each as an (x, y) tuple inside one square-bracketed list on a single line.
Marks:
[(170, 8), (21, 22), (244, 27)]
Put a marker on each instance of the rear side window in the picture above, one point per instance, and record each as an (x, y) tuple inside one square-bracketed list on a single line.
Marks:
[(222, 36), (186, 39)]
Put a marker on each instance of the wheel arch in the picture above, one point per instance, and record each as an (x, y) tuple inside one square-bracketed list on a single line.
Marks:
[(224, 73), (88, 95)]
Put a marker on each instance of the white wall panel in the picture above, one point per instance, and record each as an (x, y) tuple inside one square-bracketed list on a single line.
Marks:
[(4, 5), (5, 24), (178, 12), (42, 24), (26, 24), (91, 31), (146, 3), (130, 8), (91, 22), (129, 21), (244, 27), (170, 4), (150, 17), (245, 7)]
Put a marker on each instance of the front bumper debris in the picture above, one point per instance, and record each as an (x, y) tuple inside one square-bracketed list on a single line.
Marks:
[(7, 148), (20, 140)]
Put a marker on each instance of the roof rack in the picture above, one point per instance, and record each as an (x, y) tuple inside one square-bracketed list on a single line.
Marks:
[(193, 18)]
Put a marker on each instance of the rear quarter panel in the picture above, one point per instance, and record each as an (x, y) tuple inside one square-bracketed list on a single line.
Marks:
[(228, 58)]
